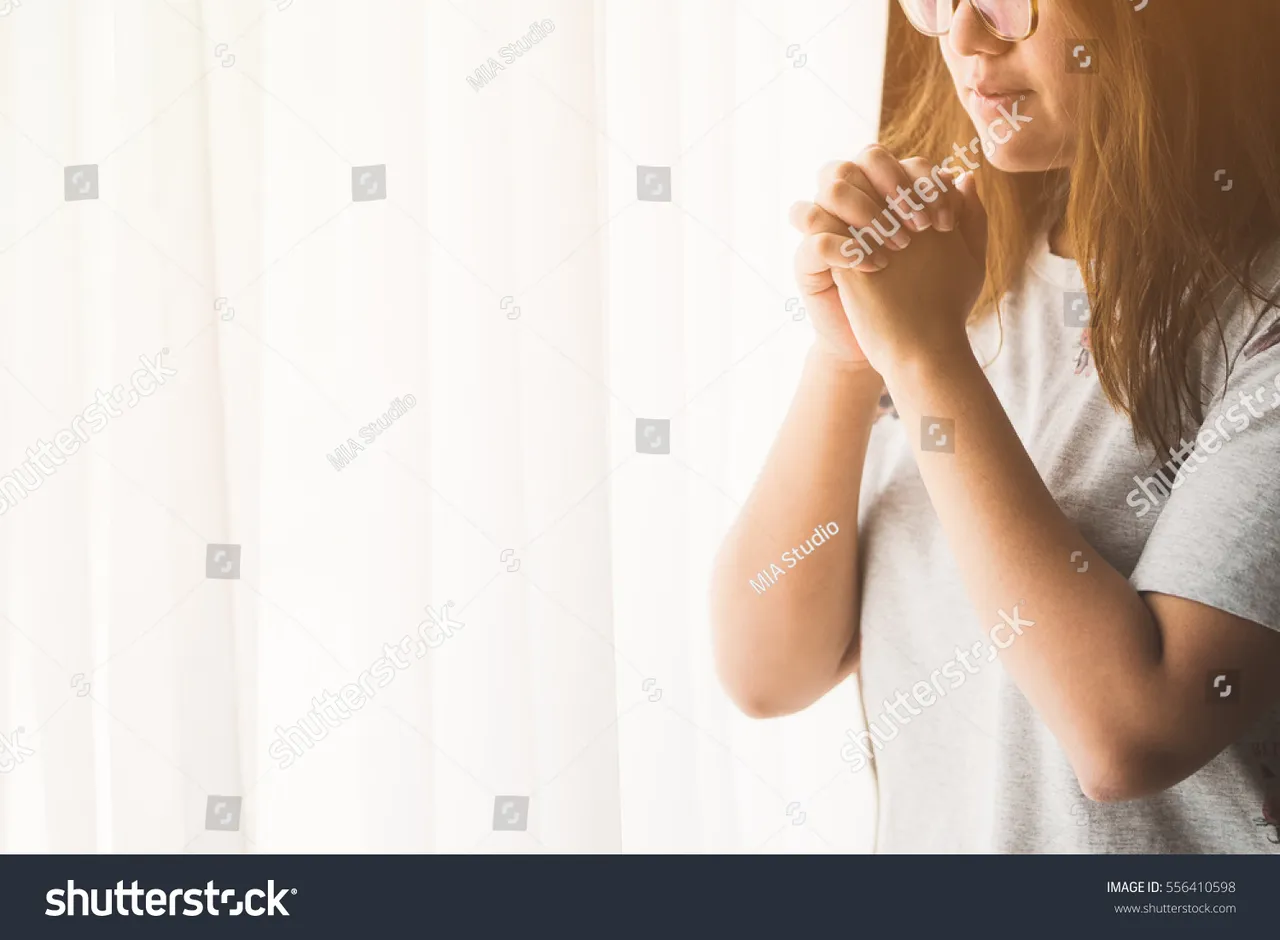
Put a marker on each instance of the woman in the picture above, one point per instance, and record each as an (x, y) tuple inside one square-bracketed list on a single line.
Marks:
[(1063, 268)]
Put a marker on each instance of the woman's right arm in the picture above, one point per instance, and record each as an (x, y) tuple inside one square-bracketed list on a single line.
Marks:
[(781, 650)]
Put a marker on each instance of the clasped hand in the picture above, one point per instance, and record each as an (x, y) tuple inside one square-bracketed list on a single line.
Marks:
[(900, 290)]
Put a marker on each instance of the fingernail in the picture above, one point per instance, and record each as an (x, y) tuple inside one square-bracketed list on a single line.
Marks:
[(879, 262), (922, 223), (900, 239), (945, 220)]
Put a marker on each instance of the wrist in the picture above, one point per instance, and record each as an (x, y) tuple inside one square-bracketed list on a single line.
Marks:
[(854, 387), (824, 356), (924, 367), (847, 375)]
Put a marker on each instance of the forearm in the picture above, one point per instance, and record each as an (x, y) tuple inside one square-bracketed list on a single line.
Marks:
[(780, 648), (1092, 664)]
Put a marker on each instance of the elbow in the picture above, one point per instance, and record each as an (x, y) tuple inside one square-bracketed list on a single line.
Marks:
[(755, 702), (764, 669), (769, 680), (1112, 789), (1118, 774), (746, 688), (758, 678), (737, 652), (758, 707)]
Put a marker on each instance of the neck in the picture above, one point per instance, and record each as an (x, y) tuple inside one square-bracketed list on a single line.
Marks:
[(1058, 242)]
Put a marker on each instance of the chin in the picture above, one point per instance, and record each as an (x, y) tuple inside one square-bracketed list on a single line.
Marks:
[(1027, 156)]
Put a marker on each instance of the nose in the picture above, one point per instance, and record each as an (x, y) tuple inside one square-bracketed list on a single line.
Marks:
[(970, 37)]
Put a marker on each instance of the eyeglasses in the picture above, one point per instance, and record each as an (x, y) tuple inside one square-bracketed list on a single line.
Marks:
[(1009, 20)]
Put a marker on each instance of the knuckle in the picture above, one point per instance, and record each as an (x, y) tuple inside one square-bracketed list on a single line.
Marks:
[(833, 192), (872, 153), (843, 170)]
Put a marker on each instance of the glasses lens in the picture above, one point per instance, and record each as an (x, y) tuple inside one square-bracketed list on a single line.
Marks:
[(1008, 19), (929, 16)]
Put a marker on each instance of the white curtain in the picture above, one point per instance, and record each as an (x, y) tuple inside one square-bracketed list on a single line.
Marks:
[(310, 217)]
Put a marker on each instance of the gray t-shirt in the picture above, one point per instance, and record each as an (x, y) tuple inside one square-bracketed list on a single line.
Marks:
[(977, 771)]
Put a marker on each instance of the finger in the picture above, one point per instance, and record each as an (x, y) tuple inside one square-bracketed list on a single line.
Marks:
[(859, 211), (844, 170), (934, 188), (820, 253), (809, 219), (892, 186)]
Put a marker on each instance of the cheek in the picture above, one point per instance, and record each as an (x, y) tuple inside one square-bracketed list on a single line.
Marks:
[(1044, 145), (1055, 111), (950, 58), (1057, 96), (1065, 105), (1045, 63)]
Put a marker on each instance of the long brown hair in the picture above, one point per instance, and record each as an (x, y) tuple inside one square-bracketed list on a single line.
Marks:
[(1185, 89)]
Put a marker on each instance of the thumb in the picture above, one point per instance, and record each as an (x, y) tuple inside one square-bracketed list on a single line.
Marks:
[(973, 216)]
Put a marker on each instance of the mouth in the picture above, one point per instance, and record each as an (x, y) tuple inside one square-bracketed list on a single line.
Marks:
[(996, 89), (990, 97)]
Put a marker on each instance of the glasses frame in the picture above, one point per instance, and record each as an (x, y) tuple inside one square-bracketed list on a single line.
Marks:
[(1031, 31)]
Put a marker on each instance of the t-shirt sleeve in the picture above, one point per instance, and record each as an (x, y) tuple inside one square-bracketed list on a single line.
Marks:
[(1217, 537)]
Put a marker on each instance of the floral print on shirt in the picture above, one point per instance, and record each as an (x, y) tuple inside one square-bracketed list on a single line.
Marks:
[(1084, 354)]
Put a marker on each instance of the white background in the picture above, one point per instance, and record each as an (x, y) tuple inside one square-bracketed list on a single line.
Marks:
[(229, 175)]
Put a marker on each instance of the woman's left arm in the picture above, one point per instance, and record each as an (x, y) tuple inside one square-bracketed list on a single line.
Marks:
[(1121, 678)]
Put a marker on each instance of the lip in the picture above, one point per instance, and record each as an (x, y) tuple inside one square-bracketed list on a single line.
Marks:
[(988, 83), (995, 94), (992, 101)]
